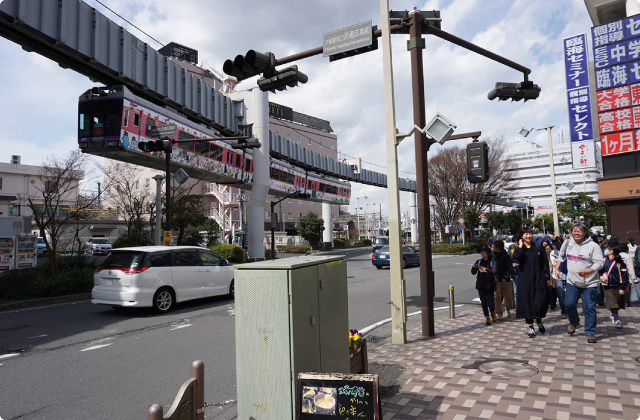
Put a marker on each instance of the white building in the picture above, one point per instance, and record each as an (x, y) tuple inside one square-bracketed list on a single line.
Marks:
[(534, 175)]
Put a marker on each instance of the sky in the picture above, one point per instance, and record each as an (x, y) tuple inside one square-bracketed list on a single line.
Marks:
[(39, 106)]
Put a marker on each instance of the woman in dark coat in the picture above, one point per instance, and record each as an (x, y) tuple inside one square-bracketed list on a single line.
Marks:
[(533, 296)]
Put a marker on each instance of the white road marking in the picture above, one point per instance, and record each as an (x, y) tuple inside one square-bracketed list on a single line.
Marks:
[(6, 356), (384, 321), (99, 346), (231, 311), (476, 300), (177, 327), (37, 336)]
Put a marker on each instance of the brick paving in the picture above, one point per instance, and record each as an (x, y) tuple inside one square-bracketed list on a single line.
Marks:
[(552, 376)]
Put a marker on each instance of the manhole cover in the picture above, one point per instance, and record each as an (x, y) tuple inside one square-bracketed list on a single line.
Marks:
[(508, 368), (374, 338)]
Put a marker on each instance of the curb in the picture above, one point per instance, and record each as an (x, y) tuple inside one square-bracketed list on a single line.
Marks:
[(30, 303)]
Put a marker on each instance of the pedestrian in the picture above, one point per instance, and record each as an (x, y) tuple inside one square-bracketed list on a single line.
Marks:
[(628, 261), (615, 279), (532, 281), (485, 271), (551, 281), (503, 278), (632, 249), (584, 261)]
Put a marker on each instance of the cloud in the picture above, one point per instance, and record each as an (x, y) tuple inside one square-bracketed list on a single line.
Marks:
[(40, 117)]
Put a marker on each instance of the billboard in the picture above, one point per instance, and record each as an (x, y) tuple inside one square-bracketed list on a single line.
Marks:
[(577, 78), (616, 52)]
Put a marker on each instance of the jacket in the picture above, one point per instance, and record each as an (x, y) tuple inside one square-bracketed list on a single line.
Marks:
[(487, 280), (614, 276), (628, 261), (504, 266), (582, 256)]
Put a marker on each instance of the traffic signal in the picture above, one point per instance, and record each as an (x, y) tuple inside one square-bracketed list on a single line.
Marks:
[(529, 212), (477, 162), (252, 64), (156, 146), (303, 195), (514, 91), (575, 204), (281, 79)]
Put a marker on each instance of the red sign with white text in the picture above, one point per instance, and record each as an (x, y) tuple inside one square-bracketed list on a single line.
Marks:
[(615, 98), (619, 142)]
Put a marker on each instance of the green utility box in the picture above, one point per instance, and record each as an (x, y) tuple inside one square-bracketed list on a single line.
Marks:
[(291, 317)]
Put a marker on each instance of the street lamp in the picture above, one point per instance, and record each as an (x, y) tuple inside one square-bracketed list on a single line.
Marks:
[(524, 133), (358, 214), (367, 216)]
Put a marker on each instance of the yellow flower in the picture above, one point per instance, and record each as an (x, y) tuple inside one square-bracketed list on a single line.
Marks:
[(356, 337)]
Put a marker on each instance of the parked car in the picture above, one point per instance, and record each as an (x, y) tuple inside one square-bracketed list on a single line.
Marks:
[(97, 246), (410, 256), (380, 242), (41, 247), (160, 276)]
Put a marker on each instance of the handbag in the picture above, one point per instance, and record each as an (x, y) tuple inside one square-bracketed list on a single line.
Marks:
[(604, 279)]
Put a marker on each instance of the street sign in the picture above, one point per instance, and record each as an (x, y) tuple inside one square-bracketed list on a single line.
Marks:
[(347, 39), (461, 220), (166, 238), (322, 228), (238, 234), (461, 227), (162, 130)]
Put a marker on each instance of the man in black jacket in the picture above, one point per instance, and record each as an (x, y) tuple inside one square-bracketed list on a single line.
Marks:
[(503, 276)]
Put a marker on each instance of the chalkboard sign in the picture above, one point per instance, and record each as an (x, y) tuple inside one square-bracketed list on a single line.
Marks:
[(337, 395)]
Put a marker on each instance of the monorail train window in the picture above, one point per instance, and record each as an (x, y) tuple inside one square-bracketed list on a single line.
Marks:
[(238, 161), (184, 136), (202, 148), (126, 118), (84, 119), (322, 187), (310, 185), (149, 126), (216, 152), (283, 176), (136, 120), (290, 178), (247, 165), (99, 118), (189, 146), (275, 173)]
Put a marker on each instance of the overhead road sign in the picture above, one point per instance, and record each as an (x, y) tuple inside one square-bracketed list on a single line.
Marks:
[(349, 41), (162, 130)]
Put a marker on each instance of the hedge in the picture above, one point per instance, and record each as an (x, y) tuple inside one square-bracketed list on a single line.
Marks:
[(37, 282), (233, 253), (455, 249), (365, 242), (339, 243), (293, 249)]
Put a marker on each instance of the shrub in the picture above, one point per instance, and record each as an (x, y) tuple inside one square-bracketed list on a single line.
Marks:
[(338, 243), (269, 254), (454, 248), (365, 242), (293, 249), (233, 253), (37, 282)]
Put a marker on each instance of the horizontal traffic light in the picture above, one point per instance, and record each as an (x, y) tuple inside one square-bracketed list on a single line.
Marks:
[(515, 91), (303, 195), (290, 77), (251, 64), (156, 146)]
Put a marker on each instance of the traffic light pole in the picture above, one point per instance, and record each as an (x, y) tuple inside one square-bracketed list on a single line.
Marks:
[(168, 187), (273, 230)]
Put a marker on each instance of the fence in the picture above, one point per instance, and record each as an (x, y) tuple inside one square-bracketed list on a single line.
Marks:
[(189, 403)]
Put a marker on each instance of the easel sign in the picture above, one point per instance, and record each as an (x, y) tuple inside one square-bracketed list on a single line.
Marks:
[(337, 396)]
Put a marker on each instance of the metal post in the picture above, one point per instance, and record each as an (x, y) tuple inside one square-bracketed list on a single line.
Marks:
[(556, 224), (274, 220), (197, 373), (358, 219), (158, 179), (452, 303), (155, 412), (398, 289), (463, 205), (427, 286), (168, 193), (584, 181)]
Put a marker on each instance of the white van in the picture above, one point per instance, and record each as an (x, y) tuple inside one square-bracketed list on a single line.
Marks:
[(160, 276)]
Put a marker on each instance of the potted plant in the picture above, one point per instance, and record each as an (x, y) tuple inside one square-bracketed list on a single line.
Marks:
[(358, 353)]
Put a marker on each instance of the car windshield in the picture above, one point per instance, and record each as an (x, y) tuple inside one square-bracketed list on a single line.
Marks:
[(382, 241), (40, 240), (122, 259), (100, 241), (384, 249)]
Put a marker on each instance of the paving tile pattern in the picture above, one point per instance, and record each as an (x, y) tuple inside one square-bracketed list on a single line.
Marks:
[(574, 379)]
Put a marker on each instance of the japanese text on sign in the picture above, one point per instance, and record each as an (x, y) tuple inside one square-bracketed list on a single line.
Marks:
[(577, 76)]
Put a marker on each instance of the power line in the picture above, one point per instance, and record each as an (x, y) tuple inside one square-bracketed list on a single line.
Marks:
[(353, 157), (115, 13)]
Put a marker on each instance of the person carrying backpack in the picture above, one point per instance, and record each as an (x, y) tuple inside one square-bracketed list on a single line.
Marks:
[(503, 278), (614, 279), (485, 271)]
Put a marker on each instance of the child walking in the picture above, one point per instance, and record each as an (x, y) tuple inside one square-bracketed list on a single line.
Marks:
[(485, 271), (614, 279)]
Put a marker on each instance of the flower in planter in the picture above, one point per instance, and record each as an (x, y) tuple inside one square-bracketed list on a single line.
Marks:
[(354, 339)]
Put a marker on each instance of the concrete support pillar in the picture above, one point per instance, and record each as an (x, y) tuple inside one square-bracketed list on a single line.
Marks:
[(257, 110), (413, 217), (633, 7), (327, 235)]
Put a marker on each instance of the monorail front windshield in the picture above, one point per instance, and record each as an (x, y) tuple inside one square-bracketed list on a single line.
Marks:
[(98, 118)]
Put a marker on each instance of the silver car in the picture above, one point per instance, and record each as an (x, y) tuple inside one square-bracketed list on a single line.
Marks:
[(97, 246)]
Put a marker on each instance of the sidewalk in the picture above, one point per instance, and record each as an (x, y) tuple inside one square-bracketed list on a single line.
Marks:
[(470, 370)]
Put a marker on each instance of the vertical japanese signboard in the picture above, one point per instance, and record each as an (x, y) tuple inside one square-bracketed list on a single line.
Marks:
[(616, 51), (577, 78)]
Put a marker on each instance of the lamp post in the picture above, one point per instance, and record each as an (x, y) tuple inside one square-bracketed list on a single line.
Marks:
[(524, 133), (358, 215), (159, 179)]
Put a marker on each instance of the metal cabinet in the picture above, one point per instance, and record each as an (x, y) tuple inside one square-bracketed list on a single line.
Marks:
[(291, 317)]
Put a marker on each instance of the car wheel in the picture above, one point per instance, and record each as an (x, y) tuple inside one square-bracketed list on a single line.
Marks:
[(232, 289), (379, 267), (404, 263), (163, 300)]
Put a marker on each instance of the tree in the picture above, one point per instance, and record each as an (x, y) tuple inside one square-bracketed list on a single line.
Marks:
[(548, 222), (186, 212), (309, 227), (496, 220), (513, 221), (448, 184), (353, 232), (61, 200), (471, 220), (590, 210)]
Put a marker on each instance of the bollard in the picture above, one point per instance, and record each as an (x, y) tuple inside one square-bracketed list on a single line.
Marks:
[(452, 309), (155, 412)]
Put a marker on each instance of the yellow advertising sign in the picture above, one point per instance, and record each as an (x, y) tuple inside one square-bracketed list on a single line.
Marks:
[(166, 239)]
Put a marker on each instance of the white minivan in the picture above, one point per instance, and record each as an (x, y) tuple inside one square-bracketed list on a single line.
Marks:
[(160, 276)]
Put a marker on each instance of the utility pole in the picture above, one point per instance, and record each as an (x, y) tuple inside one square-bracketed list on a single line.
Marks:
[(158, 179)]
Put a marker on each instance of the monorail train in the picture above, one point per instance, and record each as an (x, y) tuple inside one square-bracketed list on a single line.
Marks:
[(111, 123)]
